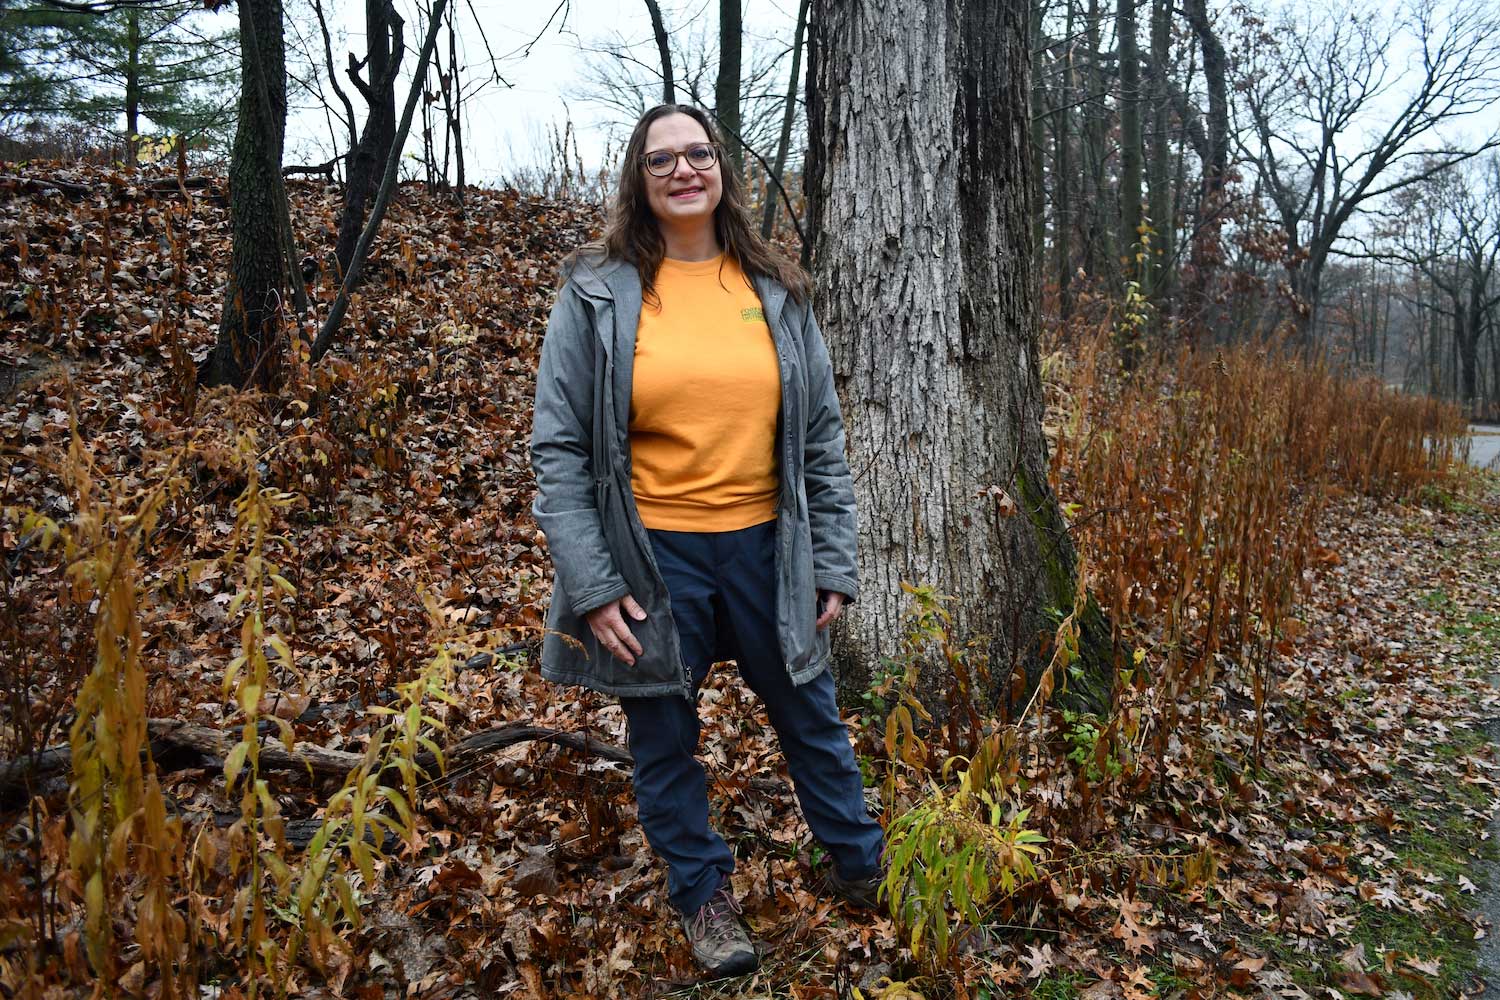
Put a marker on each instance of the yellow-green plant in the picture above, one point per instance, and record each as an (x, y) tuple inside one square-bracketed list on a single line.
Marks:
[(119, 819), (256, 842), (927, 623), (276, 909), (954, 851)]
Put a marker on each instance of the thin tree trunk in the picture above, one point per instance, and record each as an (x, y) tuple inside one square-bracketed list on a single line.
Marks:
[(455, 118), (727, 86), (1064, 212), (132, 86), (386, 46), (1205, 250), (1159, 162), (1038, 140), (333, 77), (788, 116), (1098, 255), (663, 51), (1130, 125), (927, 287), (429, 155), (1131, 154)]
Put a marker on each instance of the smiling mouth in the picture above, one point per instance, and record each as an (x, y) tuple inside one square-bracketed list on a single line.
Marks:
[(685, 192)]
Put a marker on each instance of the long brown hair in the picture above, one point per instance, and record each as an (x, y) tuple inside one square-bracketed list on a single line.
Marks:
[(632, 235)]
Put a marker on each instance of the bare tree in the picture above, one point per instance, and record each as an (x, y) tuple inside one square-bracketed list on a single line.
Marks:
[(390, 169), (1330, 124), (1210, 137), (663, 51), (788, 119), (619, 75), (1447, 229), (374, 77)]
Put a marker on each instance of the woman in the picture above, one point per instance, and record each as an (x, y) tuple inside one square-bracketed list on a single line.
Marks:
[(692, 484)]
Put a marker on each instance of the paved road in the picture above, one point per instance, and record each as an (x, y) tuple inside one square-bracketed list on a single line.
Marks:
[(1484, 447)]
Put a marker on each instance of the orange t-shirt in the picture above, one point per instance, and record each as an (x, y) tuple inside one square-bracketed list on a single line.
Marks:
[(704, 401)]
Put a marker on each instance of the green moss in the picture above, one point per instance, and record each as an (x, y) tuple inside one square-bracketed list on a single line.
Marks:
[(1088, 685), (1433, 837)]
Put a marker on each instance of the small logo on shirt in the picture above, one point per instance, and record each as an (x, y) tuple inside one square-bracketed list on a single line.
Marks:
[(754, 315)]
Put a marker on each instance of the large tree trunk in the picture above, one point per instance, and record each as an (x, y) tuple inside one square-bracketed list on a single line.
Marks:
[(383, 33), (249, 327), (921, 194)]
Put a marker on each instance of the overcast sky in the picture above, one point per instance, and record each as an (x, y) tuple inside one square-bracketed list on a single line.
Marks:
[(506, 127)]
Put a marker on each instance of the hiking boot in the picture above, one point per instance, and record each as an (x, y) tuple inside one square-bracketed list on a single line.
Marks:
[(720, 945), (861, 892)]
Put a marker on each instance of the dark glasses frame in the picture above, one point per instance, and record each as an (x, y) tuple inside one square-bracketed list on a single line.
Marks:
[(712, 147)]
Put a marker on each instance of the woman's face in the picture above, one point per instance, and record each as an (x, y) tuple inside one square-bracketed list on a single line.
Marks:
[(686, 195)]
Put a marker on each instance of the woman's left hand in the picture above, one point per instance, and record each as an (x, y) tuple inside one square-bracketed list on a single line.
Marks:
[(830, 605)]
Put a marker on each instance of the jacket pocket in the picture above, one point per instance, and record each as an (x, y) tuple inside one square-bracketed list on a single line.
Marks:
[(657, 634)]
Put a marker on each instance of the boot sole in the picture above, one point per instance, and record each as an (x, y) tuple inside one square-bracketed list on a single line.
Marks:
[(739, 965)]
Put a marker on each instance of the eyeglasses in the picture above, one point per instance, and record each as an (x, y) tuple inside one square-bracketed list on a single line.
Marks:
[(663, 162)]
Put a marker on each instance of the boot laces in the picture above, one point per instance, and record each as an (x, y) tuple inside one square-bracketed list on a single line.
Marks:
[(715, 919)]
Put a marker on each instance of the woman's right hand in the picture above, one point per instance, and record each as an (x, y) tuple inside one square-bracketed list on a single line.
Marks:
[(608, 625)]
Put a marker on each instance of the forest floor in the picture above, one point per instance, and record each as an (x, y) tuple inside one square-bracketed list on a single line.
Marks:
[(1350, 858)]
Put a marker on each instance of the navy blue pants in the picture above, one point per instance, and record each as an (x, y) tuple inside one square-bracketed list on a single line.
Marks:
[(723, 594)]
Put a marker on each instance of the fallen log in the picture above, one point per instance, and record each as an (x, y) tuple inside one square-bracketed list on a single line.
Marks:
[(46, 184), (311, 169), (317, 761), (161, 185), (170, 184)]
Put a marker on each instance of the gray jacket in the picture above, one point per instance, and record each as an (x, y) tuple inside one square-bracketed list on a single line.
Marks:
[(580, 451)]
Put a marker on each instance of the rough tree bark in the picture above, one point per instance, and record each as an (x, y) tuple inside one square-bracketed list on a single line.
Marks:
[(245, 350), (920, 190)]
